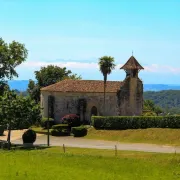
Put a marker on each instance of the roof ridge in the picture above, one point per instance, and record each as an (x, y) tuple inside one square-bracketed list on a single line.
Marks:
[(83, 86)]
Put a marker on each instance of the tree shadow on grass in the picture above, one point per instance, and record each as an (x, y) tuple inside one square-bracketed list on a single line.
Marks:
[(4, 146), (34, 147)]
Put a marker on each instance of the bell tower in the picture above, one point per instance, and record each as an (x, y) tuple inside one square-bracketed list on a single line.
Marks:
[(130, 95)]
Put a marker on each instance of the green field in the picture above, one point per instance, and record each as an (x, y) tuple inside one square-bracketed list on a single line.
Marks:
[(87, 164), (151, 135)]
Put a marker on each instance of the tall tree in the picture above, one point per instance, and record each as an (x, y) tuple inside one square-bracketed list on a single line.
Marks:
[(106, 65), (18, 112), (11, 55), (47, 76)]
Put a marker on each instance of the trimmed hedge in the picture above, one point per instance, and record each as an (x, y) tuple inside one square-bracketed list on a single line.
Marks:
[(135, 122), (79, 131), (1, 130), (61, 130), (29, 136), (44, 122), (61, 126)]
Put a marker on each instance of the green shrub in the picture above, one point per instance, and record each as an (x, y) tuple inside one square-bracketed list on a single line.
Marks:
[(135, 122), (61, 130), (29, 136), (79, 131), (1, 130), (44, 122), (60, 126)]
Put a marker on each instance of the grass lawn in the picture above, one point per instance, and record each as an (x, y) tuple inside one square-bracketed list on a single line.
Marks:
[(87, 164), (151, 135)]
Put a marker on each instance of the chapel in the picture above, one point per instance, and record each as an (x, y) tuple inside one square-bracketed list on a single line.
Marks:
[(86, 97)]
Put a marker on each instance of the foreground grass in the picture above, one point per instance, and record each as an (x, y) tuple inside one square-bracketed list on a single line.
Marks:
[(87, 164), (151, 135)]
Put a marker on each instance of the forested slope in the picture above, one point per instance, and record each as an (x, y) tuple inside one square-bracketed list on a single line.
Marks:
[(169, 100)]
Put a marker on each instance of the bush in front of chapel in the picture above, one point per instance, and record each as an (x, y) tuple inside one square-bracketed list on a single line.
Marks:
[(79, 131), (61, 130), (135, 122)]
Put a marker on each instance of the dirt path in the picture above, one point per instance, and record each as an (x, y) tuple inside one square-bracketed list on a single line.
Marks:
[(70, 141)]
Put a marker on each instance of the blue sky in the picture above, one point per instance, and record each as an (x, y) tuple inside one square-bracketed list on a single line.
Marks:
[(76, 33)]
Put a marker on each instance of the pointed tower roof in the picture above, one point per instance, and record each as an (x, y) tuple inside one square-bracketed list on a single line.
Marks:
[(132, 63)]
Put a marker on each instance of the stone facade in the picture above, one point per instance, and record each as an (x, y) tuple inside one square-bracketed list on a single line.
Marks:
[(67, 103), (130, 97)]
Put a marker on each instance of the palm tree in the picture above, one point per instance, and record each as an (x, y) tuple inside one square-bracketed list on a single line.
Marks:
[(106, 65)]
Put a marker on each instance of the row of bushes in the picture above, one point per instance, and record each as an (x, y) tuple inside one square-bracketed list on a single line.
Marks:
[(65, 130), (135, 122)]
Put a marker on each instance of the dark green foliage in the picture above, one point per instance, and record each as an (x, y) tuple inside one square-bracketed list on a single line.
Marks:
[(21, 112), (29, 136), (3, 87), (1, 130), (34, 91), (106, 65), (82, 105), (149, 105), (44, 123), (135, 122), (51, 74), (51, 100), (79, 131), (61, 130), (11, 55), (168, 100)]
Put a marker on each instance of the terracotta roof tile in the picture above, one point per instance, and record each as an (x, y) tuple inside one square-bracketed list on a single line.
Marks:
[(132, 63), (93, 86)]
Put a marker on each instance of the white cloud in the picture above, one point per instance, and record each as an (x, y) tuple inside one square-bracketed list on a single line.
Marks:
[(74, 65), (152, 68), (162, 69)]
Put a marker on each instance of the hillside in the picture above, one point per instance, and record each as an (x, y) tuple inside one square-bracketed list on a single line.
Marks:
[(169, 100)]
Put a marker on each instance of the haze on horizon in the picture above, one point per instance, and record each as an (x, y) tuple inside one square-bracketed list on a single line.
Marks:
[(76, 33)]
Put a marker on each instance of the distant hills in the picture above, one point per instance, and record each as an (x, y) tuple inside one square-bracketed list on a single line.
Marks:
[(160, 87), (169, 100), (22, 85)]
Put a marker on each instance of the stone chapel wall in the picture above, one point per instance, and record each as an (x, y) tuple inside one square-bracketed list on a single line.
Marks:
[(67, 103)]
